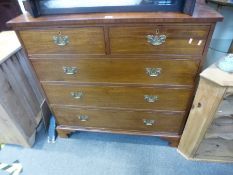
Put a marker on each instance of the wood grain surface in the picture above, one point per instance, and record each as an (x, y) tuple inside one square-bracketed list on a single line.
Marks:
[(207, 99), (202, 13), (216, 75), (118, 96), (88, 40), (216, 150), (173, 139), (117, 119), (174, 72), (180, 39)]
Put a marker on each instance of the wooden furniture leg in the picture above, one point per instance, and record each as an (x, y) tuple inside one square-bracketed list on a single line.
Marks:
[(172, 141), (63, 133)]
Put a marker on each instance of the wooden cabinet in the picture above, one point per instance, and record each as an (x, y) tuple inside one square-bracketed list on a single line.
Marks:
[(20, 98), (132, 73), (208, 134)]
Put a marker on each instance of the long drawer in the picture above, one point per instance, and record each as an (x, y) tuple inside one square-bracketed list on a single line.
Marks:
[(159, 39), (83, 40), (118, 96), (138, 71), (119, 120)]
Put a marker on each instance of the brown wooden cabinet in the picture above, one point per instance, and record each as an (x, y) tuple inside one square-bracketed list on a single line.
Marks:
[(132, 73)]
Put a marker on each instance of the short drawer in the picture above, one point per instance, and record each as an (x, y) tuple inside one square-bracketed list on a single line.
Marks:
[(159, 39), (119, 120), (89, 40), (118, 96), (144, 71)]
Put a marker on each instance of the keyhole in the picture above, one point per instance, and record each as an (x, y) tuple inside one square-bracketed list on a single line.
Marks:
[(199, 105), (157, 31)]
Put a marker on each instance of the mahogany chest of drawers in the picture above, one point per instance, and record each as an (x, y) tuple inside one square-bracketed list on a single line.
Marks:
[(132, 73)]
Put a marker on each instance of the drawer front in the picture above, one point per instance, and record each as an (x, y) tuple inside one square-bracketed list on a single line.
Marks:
[(170, 39), (64, 41), (118, 97), (119, 120), (177, 72)]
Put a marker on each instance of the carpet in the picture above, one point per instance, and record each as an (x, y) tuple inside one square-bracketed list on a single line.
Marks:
[(87, 153)]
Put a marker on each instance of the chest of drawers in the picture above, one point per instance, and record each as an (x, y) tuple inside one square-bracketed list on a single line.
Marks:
[(131, 73)]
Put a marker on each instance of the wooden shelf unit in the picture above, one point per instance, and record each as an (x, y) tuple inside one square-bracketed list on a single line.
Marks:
[(208, 134)]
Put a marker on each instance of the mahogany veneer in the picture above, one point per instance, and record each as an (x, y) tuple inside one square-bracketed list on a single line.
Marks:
[(108, 72), (119, 70), (82, 41)]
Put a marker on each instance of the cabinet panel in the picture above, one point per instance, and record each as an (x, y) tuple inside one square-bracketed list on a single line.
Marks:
[(137, 71), (119, 120), (159, 39), (88, 40), (118, 96)]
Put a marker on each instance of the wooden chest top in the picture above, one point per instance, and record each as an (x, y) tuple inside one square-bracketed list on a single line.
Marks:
[(202, 13)]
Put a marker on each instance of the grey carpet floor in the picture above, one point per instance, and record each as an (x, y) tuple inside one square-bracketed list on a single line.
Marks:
[(106, 154)]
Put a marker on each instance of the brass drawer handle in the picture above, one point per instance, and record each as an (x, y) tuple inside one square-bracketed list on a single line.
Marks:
[(83, 118), (61, 40), (156, 40), (148, 122), (151, 98), (70, 70), (153, 72), (76, 95)]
